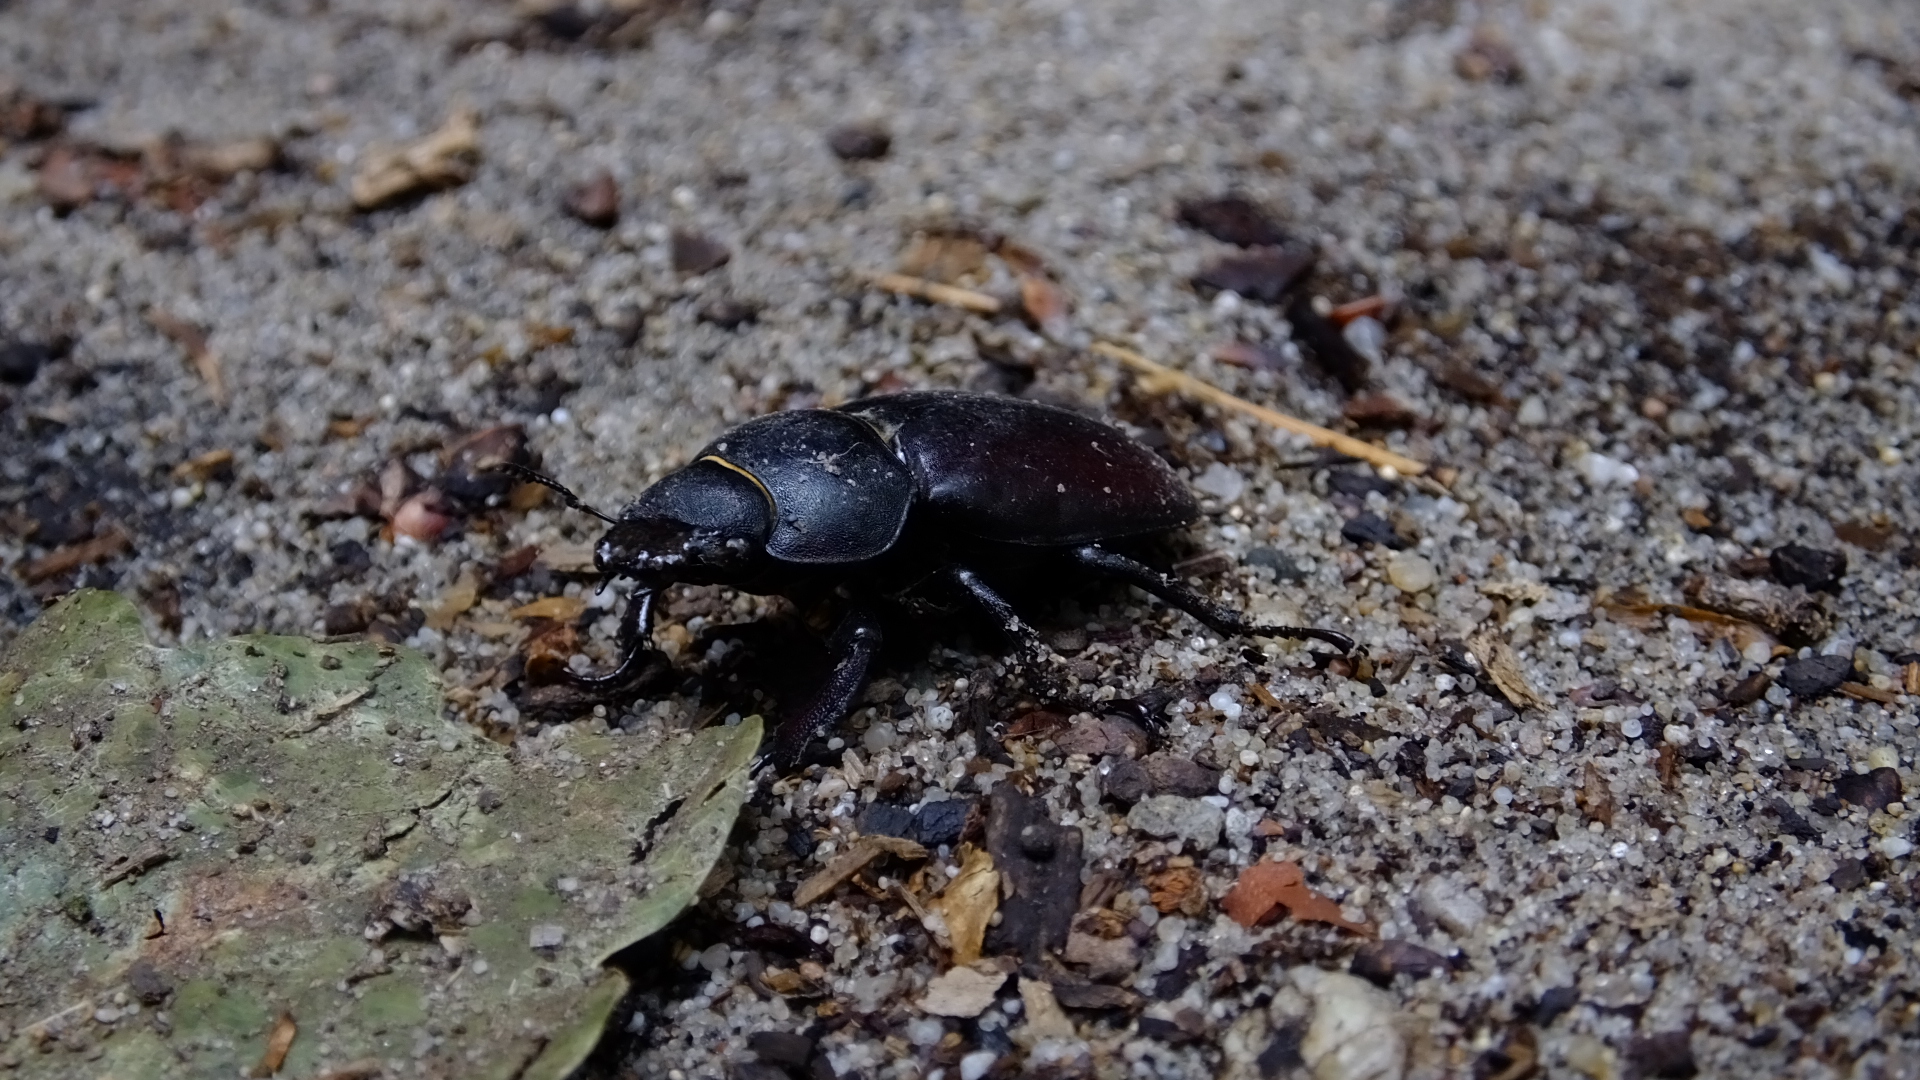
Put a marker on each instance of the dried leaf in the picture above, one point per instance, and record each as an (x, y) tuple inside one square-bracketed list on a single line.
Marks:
[(442, 159), (964, 992), (193, 341), (968, 903), (852, 861), (1503, 667), (453, 603), (1266, 887), (1180, 889), (948, 258), (559, 608)]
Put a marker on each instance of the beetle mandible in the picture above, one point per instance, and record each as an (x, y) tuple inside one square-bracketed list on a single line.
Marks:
[(883, 495)]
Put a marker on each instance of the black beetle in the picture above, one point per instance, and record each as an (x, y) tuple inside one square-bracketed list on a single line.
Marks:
[(878, 497)]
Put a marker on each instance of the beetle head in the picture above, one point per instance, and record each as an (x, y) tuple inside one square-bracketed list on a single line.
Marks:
[(703, 525)]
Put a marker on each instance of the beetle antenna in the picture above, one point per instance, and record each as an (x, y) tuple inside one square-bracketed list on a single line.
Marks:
[(566, 494)]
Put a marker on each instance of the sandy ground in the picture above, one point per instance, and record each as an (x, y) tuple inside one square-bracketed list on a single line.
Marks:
[(1653, 268)]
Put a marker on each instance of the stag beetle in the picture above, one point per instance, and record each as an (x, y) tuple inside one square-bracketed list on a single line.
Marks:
[(886, 494)]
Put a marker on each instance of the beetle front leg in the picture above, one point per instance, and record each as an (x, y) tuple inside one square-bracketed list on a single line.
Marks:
[(636, 647), (854, 645), (1219, 618)]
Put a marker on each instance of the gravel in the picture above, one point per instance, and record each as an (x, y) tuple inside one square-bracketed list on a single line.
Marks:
[(1653, 314)]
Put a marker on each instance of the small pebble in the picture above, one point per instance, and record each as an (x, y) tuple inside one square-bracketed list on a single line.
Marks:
[(1411, 573), (975, 1065), (1221, 481)]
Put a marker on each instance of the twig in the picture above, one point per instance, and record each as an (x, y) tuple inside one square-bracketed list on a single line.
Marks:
[(1159, 378), (922, 289)]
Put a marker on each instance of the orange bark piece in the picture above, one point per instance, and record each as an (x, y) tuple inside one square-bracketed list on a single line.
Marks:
[(1265, 887)]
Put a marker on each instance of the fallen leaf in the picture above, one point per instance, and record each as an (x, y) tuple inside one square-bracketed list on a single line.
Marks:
[(443, 159), (279, 1041), (968, 903), (963, 992), (1265, 887), (560, 608), (852, 861), (1503, 667)]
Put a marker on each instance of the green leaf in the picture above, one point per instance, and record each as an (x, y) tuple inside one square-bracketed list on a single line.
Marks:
[(196, 842)]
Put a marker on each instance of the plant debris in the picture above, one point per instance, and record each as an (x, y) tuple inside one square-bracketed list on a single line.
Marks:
[(852, 861), (969, 903), (1264, 888), (446, 158)]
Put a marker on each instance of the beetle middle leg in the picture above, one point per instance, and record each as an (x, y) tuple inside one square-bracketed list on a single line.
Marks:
[(636, 647), (1044, 666), (1219, 618), (852, 650)]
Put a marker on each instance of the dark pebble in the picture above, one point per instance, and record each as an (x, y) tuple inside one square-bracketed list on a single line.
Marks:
[(596, 202), (349, 618), (1870, 791), (756, 1070), (1325, 345), (1749, 690), (859, 142), (1282, 1055), (1359, 484), (149, 984), (728, 314), (1553, 1003), (490, 800), (942, 822), (1373, 529), (1125, 782), (1266, 274), (1170, 1032), (351, 556), (1234, 220), (781, 1048), (1849, 875), (1816, 675), (1092, 996), (1668, 1055), (1282, 564), (20, 361), (886, 819), (696, 254), (1173, 775), (1792, 822), (1794, 564), (1379, 961)]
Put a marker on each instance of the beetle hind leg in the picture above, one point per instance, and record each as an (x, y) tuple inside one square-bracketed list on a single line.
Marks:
[(1219, 618)]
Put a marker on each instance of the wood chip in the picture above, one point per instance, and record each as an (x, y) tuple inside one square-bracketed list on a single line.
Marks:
[(933, 291), (1863, 692), (205, 466), (1526, 592), (852, 861), (1045, 1018), (441, 160), (1503, 667), (1266, 887), (1039, 863), (279, 1041), (964, 992), (1595, 796), (192, 341), (969, 902), (1159, 379), (559, 608), (73, 556)]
